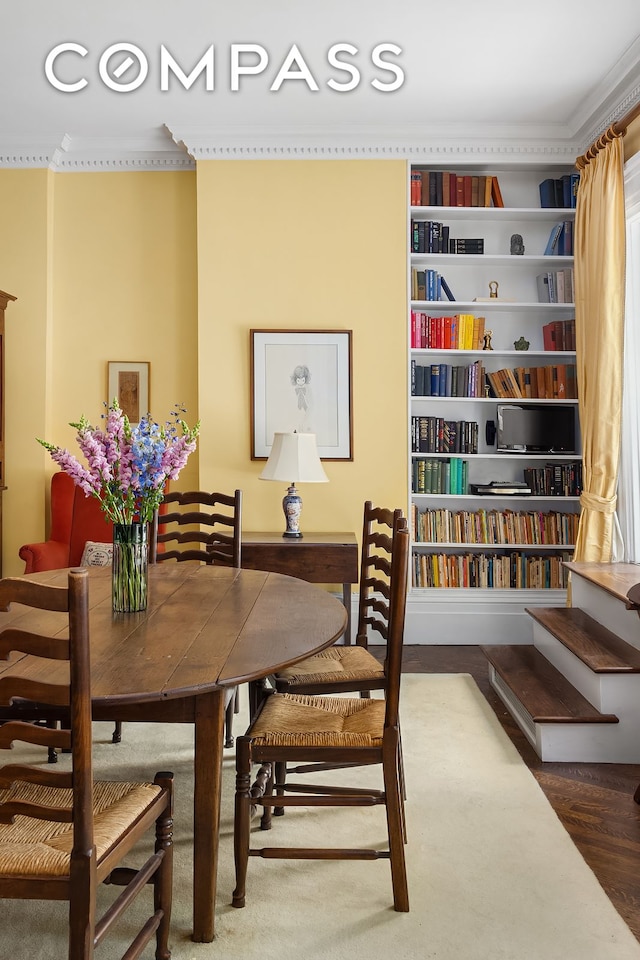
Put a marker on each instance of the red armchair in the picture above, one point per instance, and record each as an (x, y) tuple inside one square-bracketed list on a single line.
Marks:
[(74, 520)]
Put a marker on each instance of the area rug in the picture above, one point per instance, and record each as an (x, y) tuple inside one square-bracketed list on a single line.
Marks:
[(492, 873)]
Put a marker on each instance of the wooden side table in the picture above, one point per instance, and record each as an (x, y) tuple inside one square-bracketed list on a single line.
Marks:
[(316, 557)]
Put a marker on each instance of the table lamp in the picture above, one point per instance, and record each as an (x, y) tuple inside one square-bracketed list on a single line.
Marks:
[(294, 458)]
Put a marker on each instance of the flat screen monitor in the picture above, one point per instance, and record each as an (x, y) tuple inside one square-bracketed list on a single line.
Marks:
[(536, 428)]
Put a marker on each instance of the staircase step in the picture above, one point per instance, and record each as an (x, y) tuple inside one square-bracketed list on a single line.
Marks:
[(597, 647), (543, 692)]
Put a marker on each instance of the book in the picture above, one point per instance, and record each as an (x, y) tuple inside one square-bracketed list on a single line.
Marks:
[(466, 245), (544, 293), (416, 188), (547, 191), (446, 188), (446, 289), (496, 194), (488, 188), (467, 190), (554, 239)]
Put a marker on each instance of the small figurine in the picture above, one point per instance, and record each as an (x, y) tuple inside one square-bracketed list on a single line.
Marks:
[(521, 344), (487, 340), (493, 289), (517, 245)]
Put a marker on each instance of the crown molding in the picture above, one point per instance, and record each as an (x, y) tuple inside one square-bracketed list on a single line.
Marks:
[(462, 143), (71, 154), (618, 92)]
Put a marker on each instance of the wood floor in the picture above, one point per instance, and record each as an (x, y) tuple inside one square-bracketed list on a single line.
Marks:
[(594, 801)]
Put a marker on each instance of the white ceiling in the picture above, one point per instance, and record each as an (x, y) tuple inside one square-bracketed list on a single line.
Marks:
[(550, 71)]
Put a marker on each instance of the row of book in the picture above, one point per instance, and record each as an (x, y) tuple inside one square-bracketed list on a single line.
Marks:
[(560, 242), (560, 191), (429, 285), (443, 188), (555, 479), (431, 236), (496, 527), (448, 475), (512, 571), (462, 331), (437, 435), (559, 335), (448, 380), (556, 286), (555, 381)]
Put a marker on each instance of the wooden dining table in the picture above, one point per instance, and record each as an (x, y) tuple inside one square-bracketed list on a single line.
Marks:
[(205, 629)]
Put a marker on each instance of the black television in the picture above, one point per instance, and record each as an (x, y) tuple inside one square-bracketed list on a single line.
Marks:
[(536, 428)]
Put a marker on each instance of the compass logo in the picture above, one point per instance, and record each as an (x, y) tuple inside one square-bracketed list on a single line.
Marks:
[(124, 67)]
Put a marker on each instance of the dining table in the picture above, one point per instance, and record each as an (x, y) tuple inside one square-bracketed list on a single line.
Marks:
[(206, 629)]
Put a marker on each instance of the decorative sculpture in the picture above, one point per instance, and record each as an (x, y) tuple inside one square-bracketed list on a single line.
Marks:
[(517, 245)]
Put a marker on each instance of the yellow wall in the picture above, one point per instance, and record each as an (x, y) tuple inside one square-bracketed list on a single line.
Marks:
[(294, 245), (104, 268), (176, 268), (24, 255)]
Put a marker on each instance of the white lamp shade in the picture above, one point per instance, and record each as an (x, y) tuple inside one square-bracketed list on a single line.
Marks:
[(294, 458)]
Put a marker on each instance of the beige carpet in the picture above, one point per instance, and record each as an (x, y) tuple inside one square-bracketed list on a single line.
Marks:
[(492, 873)]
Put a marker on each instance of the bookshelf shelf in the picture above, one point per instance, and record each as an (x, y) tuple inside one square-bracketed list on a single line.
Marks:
[(491, 499), (492, 400), (534, 547), (486, 214), (486, 306), (438, 481), (490, 259), (448, 351)]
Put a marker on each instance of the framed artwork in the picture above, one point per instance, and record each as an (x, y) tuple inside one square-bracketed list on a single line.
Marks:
[(128, 383), (301, 381)]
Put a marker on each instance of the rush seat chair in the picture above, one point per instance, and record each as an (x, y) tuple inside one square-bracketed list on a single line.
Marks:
[(61, 833), (342, 732)]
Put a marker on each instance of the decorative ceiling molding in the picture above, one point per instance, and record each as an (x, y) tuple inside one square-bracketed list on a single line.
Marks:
[(452, 142), (617, 93)]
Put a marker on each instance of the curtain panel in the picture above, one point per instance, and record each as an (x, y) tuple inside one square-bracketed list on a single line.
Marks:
[(600, 284)]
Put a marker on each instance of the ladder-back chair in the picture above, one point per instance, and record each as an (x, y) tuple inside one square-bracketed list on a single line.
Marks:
[(61, 834), (347, 668), (206, 527), (342, 732)]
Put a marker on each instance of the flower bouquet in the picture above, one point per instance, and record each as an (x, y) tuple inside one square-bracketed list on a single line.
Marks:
[(127, 470)]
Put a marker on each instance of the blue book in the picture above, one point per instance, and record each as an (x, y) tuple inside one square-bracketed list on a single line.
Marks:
[(552, 247), (446, 289), (548, 193)]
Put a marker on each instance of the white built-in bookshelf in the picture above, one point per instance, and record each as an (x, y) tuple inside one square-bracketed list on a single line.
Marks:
[(478, 558)]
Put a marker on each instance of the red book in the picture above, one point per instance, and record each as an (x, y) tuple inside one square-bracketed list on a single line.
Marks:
[(548, 336), (558, 328), (467, 192), (447, 333), (460, 191), (453, 190)]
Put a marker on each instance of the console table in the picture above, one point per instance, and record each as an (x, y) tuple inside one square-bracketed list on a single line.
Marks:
[(316, 557)]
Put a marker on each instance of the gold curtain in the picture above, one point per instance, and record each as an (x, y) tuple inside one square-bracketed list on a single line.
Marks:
[(599, 298)]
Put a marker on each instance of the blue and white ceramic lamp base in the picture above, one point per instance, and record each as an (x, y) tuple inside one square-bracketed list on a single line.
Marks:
[(292, 506)]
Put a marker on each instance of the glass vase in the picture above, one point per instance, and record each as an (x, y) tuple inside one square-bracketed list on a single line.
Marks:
[(130, 570)]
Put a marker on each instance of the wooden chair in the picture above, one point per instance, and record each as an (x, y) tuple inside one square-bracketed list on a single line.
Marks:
[(61, 834), (206, 527), (353, 669), (343, 732)]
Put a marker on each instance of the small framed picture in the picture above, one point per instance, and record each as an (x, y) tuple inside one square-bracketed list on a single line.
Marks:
[(301, 382), (128, 383)]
